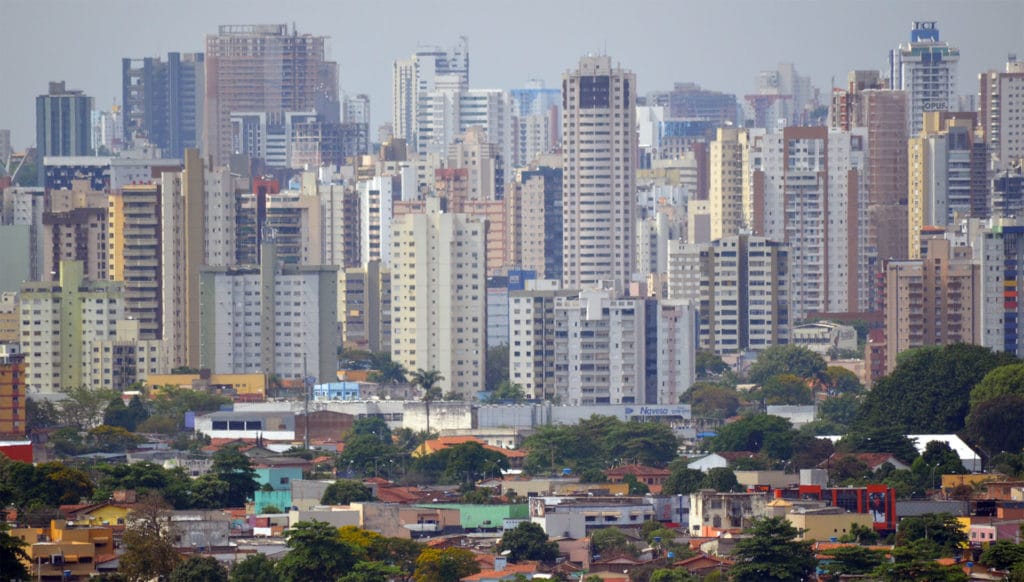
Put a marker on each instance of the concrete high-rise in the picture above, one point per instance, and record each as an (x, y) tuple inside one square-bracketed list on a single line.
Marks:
[(808, 191), (264, 69), (75, 229), (62, 322), (742, 287), (163, 101), (947, 175), (364, 306), (931, 301), (416, 75), (272, 318), (135, 254), (534, 203), (598, 174), (1000, 100), (438, 296), (728, 176), (926, 68), (63, 123)]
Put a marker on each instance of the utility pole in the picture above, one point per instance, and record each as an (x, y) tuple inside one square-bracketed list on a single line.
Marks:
[(307, 385)]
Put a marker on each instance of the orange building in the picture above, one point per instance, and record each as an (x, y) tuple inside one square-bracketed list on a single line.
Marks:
[(12, 395)]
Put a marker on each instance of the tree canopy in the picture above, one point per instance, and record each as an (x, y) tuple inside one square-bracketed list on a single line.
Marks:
[(205, 568), (317, 553), (772, 553), (929, 391), (447, 565), (345, 491), (771, 435), (528, 542), (788, 359), (596, 443), (990, 423)]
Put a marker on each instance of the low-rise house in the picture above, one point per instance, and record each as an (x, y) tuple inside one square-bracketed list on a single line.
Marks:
[(653, 477), (573, 517)]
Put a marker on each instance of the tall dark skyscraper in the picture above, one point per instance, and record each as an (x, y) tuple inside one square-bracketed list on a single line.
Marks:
[(163, 101), (63, 126)]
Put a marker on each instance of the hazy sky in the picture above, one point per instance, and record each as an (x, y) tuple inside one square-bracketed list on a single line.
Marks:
[(720, 44)]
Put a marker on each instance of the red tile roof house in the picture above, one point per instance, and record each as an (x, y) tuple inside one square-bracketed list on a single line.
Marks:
[(653, 477)]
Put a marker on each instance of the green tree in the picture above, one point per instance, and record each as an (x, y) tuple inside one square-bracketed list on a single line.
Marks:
[(682, 480), (709, 364), (672, 575), (990, 423), (234, 468), (940, 528), (635, 486), (40, 414), (447, 565), (373, 426), (772, 553), (149, 541), (528, 542), (879, 439), (465, 463), (362, 451), (841, 409), (916, 561), (345, 491), (506, 392), (113, 439), (427, 380), (1002, 555), (12, 555), (1006, 380), (850, 561), (209, 492), (372, 572), (83, 406), (720, 479), (788, 359), (646, 443), (809, 451), (316, 553), (199, 569), (400, 552), (255, 568), (711, 400), (786, 389), (860, 534), (929, 391), (611, 542), (386, 370), (127, 417), (496, 368), (771, 435), (839, 380)]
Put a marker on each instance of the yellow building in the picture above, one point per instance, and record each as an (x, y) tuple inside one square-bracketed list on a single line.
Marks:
[(824, 524), (62, 548), (245, 386)]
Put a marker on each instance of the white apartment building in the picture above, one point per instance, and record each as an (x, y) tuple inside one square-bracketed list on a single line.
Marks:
[(600, 355), (416, 75), (532, 337), (375, 218), (926, 68), (808, 184), (444, 113), (276, 319), (599, 145), (118, 363), (438, 297), (742, 287), (677, 339), (1000, 103)]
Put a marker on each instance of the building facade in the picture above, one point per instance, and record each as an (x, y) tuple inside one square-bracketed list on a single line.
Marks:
[(598, 174), (926, 68)]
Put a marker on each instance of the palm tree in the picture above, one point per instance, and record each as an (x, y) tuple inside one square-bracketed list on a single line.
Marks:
[(388, 371), (427, 380)]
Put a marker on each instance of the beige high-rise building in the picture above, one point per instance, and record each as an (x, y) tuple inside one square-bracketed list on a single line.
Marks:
[(534, 209), (1000, 101), (135, 254), (730, 207), (263, 69), (931, 301), (198, 218), (946, 176), (438, 297), (599, 144), (75, 229), (62, 323), (364, 306)]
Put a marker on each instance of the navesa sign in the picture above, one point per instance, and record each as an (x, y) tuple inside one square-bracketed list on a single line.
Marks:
[(682, 410)]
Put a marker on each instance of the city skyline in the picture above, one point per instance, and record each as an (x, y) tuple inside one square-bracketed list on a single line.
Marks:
[(714, 42)]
